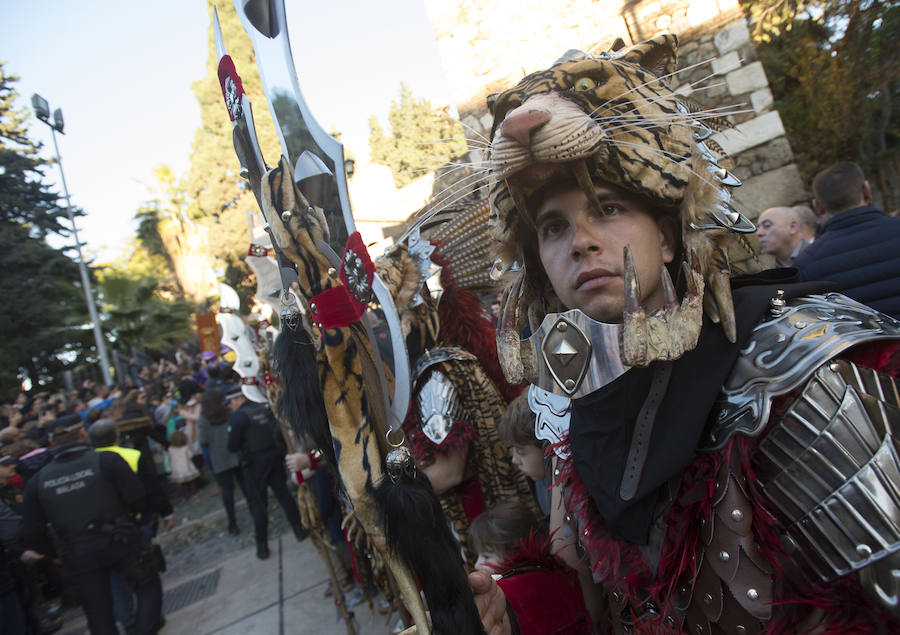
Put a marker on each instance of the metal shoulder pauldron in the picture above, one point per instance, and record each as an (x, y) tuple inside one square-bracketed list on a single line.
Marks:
[(829, 471), (437, 401), (782, 353)]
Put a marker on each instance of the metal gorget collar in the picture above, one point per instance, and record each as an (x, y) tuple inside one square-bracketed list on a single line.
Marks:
[(573, 355)]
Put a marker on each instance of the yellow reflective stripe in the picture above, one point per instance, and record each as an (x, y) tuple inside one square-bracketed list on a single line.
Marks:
[(131, 456)]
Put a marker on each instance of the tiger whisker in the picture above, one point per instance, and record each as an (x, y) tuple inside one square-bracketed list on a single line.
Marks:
[(471, 129), (650, 123), (447, 202), (442, 205), (665, 155), (447, 141)]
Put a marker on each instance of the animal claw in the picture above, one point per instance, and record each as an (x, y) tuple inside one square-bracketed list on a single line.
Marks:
[(668, 289), (721, 293), (583, 177), (632, 285)]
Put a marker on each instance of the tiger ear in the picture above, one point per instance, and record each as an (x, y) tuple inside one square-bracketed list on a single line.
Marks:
[(491, 102), (656, 55)]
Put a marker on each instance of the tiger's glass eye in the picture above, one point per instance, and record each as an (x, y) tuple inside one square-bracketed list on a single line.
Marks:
[(583, 84)]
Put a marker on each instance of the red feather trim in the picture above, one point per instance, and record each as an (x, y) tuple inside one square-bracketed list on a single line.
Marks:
[(881, 356), (465, 323), (532, 551)]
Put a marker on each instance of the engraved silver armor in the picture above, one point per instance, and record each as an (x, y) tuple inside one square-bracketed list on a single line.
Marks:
[(830, 472), (782, 352), (552, 415), (439, 406)]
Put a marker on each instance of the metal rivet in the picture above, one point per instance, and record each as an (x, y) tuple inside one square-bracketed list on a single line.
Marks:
[(561, 326), (724, 556), (310, 209), (568, 518), (800, 324), (834, 366), (332, 273), (569, 384), (586, 532), (286, 215), (740, 630), (617, 596), (683, 590), (737, 515), (780, 337), (555, 472), (312, 307), (753, 594), (707, 598), (864, 550), (245, 173)]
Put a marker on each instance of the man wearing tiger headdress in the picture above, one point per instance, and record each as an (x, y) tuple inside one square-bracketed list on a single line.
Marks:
[(725, 445)]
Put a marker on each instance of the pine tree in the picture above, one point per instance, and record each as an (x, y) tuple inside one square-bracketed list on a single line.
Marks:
[(422, 138), (23, 196), (43, 310)]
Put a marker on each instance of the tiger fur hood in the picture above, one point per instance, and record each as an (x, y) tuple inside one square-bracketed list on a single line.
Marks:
[(612, 118)]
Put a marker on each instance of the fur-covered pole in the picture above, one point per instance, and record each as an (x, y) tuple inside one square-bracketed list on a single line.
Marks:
[(417, 531), (293, 350)]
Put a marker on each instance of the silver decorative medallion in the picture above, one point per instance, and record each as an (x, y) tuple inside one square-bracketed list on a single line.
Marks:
[(357, 279), (232, 99), (567, 352)]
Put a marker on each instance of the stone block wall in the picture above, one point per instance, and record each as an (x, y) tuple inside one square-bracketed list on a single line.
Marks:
[(488, 46)]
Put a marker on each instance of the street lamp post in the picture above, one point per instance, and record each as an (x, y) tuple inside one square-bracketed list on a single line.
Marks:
[(42, 110)]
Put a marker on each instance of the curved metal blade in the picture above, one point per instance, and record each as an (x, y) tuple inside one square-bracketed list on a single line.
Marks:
[(317, 159), (298, 131)]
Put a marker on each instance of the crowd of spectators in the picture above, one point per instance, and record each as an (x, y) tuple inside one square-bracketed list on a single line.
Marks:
[(154, 412)]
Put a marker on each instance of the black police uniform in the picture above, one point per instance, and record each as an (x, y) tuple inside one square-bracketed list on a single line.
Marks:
[(252, 432), (86, 499)]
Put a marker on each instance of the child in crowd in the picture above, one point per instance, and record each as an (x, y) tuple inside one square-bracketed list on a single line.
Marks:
[(184, 473), (517, 433), (541, 590)]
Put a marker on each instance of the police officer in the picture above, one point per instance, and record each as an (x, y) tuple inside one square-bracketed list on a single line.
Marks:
[(87, 501), (104, 437), (253, 433)]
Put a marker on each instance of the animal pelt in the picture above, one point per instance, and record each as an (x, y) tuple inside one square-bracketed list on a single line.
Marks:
[(417, 531), (302, 405)]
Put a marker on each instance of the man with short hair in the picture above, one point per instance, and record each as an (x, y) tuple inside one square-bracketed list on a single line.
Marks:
[(780, 233), (702, 424), (87, 500), (253, 434), (809, 222), (857, 244)]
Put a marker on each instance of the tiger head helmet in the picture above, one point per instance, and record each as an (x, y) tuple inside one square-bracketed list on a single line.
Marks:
[(612, 118)]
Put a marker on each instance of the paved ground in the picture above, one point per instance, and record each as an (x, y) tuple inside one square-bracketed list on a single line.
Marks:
[(214, 582)]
